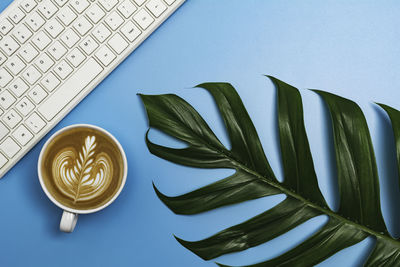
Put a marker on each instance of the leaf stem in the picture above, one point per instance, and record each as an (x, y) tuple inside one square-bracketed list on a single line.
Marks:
[(288, 192), (328, 212), (309, 203)]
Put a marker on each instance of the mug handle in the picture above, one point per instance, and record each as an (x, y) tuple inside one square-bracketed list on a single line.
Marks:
[(68, 221)]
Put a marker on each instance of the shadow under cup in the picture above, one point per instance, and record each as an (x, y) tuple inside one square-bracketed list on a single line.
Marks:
[(82, 168)]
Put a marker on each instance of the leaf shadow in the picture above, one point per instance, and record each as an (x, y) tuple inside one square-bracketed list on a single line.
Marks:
[(389, 181), (332, 180), (279, 172)]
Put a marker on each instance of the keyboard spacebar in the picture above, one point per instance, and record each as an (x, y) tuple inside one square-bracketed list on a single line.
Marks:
[(70, 88)]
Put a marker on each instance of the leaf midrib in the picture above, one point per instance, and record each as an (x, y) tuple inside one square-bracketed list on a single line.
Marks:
[(309, 203), (81, 172)]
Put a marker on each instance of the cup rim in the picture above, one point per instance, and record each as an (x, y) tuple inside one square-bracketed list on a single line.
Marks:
[(125, 163)]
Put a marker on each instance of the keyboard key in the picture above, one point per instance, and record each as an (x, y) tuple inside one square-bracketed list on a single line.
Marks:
[(16, 15), (70, 38), (127, 8), (3, 160), (139, 2), (3, 131), (18, 87), (28, 5), (10, 147), (63, 69), (15, 65), (47, 8), (76, 57), (108, 4), (5, 77), (54, 28), (41, 40), (3, 58), (156, 7), (130, 31), (51, 51), (35, 21), (28, 52), (12, 118), (5, 26), (95, 13), (24, 106), (66, 15), (37, 94), (143, 18), (70, 89), (31, 75), (6, 99), (9, 45), (169, 2), (22, 33), (22, 135), (82, 25), (44, 62), (79, 5), (105, 55), (57, 50), (88, 45), (35, 123), (118, 43), (101, 33), (114, 20), (61, 2), (50, 82)]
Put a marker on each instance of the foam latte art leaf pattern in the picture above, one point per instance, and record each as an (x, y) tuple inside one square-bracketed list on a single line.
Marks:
[(82, 176)]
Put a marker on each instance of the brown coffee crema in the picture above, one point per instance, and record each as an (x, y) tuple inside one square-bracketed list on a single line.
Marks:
[(82, 168)]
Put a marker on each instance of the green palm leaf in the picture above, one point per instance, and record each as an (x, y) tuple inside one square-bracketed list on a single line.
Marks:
[(358, 216)]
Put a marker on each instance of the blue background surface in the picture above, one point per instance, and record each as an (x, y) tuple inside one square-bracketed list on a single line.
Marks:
[(350, 48)]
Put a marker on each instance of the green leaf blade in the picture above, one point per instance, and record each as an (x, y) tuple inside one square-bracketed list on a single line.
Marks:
[(193, 156), (246, 145), (299, 172), (355, 161), (255, 231), (385, 254), (333, 237), (359, 214), (177, 118), (237, 188)]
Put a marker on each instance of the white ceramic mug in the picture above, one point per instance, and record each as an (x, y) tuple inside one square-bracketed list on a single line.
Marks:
[(70, 216)]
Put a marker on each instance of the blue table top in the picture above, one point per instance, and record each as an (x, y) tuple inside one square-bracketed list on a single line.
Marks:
[(350, 48)]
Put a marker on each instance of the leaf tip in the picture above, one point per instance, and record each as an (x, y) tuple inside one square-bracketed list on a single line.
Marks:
[(200, 85), (144, 98), (182, 242), (189, 245), (159, 194), (315, 90), (274, 80), (381, 105), (147, 139), (141, 95)]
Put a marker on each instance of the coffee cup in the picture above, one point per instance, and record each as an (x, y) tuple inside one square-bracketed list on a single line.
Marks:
[(82, 169)]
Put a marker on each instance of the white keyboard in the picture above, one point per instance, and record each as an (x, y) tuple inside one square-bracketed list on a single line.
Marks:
[(54, 52)]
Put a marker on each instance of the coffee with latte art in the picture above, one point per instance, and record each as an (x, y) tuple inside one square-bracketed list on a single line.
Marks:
[(82, 168)]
